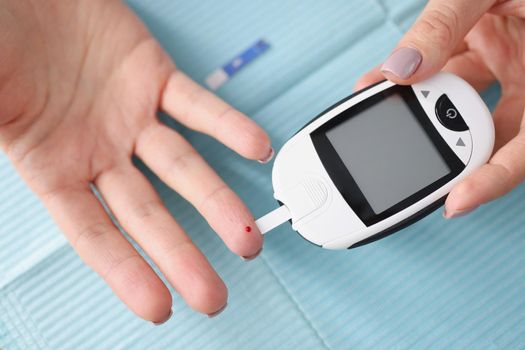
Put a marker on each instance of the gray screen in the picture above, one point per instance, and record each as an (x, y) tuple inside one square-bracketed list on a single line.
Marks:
[(387, 152)]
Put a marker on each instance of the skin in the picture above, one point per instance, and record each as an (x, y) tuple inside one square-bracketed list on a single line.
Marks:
[(481, 41), (81, 82), (80, 85)]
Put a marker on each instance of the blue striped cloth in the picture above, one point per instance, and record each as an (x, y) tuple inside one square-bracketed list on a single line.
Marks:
[(436, 284)]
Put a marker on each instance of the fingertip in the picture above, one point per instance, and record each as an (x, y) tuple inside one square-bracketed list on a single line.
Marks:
[(207, 295), (144, 293), (362, 83), (240, 234), (154, 307), (195, 280), (258, 146), (246, 137), (462, 199), (229, 217), (214, 299), (268, 157), (247, 244), (371, 77), (405, 66), (458, 196)]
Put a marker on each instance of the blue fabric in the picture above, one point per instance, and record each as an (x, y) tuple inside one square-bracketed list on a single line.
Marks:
[(436, 284)]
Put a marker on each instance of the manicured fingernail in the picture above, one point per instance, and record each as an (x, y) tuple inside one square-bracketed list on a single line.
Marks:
[(403, 62), (213, 314), (164, 320), (251, 257), (457, 213), (268, 157)]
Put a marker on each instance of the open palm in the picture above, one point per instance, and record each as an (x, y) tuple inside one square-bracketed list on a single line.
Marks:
[(80, 88)]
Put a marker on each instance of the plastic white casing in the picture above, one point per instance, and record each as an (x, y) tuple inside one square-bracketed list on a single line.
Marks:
[(318, 211)]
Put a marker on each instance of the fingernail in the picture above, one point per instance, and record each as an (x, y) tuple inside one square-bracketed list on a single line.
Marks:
[(213, 314), (164, 320), (251, 257), (403, 62), (268, 157), (457, 213)]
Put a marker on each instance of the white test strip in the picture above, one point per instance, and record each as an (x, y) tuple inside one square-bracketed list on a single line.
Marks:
[(273, 219), (216, 79), (221, 75)]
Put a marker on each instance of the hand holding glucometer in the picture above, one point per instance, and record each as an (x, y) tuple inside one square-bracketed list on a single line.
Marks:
[(379, 160)]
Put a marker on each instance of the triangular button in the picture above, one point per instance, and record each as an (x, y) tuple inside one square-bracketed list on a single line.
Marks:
[(460, 143), (425, 93)]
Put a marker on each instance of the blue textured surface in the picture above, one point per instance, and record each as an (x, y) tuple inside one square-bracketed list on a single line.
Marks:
[(436, 284)]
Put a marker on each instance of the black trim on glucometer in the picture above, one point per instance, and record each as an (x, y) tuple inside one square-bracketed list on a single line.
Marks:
[(342, 177), (339, 103), (402, 224)]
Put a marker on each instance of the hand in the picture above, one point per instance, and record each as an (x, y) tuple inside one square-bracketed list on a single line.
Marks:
[(481, 41), (80, 85)]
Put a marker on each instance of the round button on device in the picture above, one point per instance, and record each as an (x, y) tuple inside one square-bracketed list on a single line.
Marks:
[(448, 115)]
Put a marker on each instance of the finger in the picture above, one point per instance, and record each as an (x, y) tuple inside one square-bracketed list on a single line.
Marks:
[(504, 171), (142, 214), (506, 115), (97, 241), (514, 8), (177, 163), (427, 46), (371, 77), (471, 67), (199, 109), (375, 75)]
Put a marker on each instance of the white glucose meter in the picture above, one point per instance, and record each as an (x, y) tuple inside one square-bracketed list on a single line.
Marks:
[(379, 160)]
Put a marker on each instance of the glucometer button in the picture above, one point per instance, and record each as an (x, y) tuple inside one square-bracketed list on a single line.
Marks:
[(448, 115)]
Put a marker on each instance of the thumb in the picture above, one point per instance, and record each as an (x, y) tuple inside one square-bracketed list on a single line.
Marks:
[(427, 46)]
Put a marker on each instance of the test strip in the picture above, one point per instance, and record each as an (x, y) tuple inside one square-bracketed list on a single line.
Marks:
[(273, 219), (220, 76)]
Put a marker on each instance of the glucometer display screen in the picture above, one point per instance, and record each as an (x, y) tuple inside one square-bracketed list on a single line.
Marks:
[(387, 152), (384, 154)]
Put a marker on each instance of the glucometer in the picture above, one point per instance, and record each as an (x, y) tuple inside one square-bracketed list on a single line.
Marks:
[(379, 160)]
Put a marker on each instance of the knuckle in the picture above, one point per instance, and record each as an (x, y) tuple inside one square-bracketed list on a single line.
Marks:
[(224, 114), (182, 161), (225, 118), (91, 234), (439, 25), (148, 209), (212, 200), (117, 266)]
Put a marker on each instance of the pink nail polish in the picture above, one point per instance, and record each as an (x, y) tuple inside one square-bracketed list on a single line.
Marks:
[(403, 62), (458, 213), (268, 157), (213, 314)]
